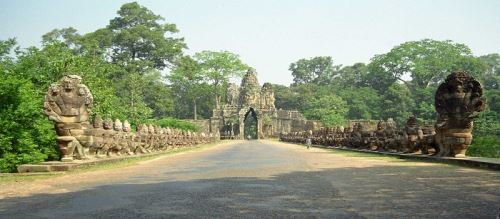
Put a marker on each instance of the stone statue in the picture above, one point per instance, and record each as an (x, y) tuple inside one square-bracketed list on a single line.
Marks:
[(267, 95), (232, 95), (98, 135), (378, 142), (128, 138), (108, 137), (69, 104), (457, 101), (413, 134), (250, 90)]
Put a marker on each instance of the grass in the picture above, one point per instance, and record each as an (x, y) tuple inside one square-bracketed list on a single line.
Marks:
[(27, 177), (485, 146)]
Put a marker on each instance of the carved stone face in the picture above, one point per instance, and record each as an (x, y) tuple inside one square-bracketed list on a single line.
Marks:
[(97, 122), (412, 121), (118, 125), (126, 126), (108, 124), (380, 125), (70, 82)]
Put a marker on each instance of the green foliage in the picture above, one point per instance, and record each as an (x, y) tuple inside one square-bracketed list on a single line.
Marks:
[(397, 104), (189, 88), (175, 123), (218, 67), (139, 39), (352, 76), (491, 78), (427, 62), (485, 146), (363, 102), (317, 70), (331, 110), (26, 136)]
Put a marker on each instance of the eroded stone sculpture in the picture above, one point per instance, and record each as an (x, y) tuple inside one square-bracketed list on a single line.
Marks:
[(69, 103), (458, 101)]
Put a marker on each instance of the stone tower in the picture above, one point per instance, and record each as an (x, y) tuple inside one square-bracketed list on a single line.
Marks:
[(250, 91)]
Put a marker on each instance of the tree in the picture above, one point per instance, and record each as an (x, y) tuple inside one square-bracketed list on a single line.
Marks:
[(318, 70), (425, 62), (363, 102), (26, 136), (140, 41), (188, 82), (352, 76), (397, 103), (491, 77), (331, 110), (218, 68)]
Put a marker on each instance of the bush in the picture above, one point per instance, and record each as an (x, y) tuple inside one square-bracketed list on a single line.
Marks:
[(485, 146), (176, 123), (26, 136)]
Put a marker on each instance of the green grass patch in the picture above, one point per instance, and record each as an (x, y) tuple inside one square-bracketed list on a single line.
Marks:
[(485, 146)]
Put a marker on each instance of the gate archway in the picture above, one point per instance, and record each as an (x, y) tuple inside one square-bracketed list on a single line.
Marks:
[(251, 125)]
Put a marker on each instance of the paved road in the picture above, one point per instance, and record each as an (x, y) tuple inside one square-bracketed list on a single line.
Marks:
[(266, 180)]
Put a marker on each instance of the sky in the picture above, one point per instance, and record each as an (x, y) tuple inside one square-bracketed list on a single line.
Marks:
[(270, 34)]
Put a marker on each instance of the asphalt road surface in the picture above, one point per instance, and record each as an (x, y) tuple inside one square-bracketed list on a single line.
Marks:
[(261, 179)]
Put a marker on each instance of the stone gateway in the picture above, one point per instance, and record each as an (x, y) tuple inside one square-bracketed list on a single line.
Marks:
[(250, 102)]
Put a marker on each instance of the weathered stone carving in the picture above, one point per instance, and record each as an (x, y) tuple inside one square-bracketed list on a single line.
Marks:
[(458, 101), (250, 90), (68, 104), (228, 121), (267, 95), (413, 134), (232, 95)]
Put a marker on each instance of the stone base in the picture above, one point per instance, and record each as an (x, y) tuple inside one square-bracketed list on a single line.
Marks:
[(46, 167), (52, 166), (478, 162)]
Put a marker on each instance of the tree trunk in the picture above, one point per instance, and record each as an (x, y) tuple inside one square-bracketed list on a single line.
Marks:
[(195, 109)]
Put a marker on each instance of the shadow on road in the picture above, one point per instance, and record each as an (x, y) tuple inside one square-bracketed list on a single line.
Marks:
[(373, 192)]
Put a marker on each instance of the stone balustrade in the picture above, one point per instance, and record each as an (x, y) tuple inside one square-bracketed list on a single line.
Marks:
[(68, 104)]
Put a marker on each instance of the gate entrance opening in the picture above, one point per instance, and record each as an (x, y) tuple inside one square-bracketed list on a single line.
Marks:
[(251, 125)]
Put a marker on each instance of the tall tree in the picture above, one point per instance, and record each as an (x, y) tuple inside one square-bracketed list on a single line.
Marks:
[(188, 82), (329, 109), (318, 70), (420, 64), (352, 76), (140, 41), (218, 68), (491, 77), (397, 103)]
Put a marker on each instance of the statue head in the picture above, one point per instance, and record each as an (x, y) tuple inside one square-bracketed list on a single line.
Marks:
[(126, 126), (107, 124), (380, 125), (70, 82), (97, 122), (412, 121), (118, 126)]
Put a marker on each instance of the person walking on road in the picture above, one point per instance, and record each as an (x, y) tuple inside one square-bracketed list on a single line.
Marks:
[(308, 139)]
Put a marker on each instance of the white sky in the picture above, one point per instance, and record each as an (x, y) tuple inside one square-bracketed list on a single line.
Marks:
[(269, 35)]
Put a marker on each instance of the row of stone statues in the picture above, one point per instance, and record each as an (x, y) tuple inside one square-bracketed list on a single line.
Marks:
[(116, 138), (457, 101), (387, 137), (69, 105)]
